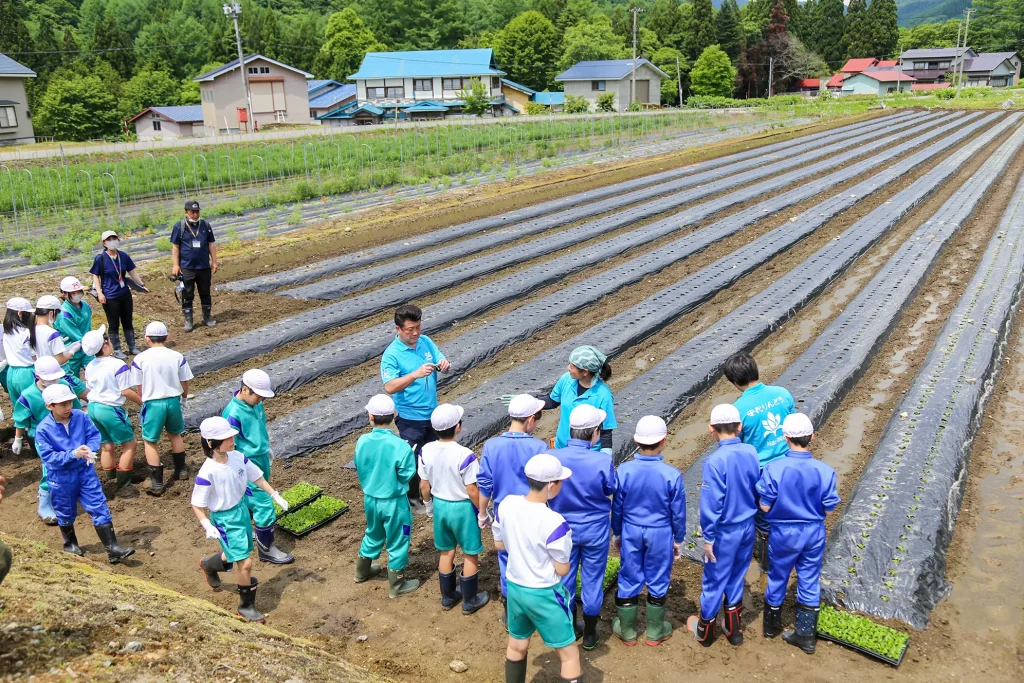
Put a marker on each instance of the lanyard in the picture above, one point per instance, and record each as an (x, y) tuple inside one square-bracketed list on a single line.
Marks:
[(116, 264), (199, 228)]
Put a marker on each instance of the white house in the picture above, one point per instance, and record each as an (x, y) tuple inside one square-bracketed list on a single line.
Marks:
[(15, 121), (595, 78), (164, 123)]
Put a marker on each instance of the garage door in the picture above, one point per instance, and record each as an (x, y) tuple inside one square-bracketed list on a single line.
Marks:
[(643, 91), (262, 97)]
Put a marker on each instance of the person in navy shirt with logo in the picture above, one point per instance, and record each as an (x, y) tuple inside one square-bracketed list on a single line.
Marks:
[(194, 258), (409, 369), (113, 277)]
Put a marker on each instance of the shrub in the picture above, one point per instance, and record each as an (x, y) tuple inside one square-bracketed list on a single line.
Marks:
[(713, 73), (536, 109), (295, 217), (606, 102), (576, 104), (163, 243)]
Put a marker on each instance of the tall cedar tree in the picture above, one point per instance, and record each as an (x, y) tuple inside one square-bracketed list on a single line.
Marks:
[(855, 40), (112, 44), (702, 28), (666, 21), (828, 26), (729, 29), (885, 32), (528, 50), (14, 35), (797, 24), (998, 26)]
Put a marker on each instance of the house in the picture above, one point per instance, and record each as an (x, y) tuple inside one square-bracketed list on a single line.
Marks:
[(835, 84), (858, 65), (516, 95), (877, 83), (931, 65), (327, 99), (15, 118), (156, 123), (807, 86), (551, 100), (993, 69), (595, 78), (279, 94)]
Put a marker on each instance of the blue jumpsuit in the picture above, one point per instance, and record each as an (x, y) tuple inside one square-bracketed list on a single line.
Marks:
[(72, 480), (800, 490), (585, 503), (727, 503), (649, 514), (501, 474)]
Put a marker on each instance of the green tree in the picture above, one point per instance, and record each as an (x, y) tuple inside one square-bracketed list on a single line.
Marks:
[(998, 26), (574, 12), (527, 50), (220, 45), (303, 39), (857, 39), (713, 73), (450, 25), (149, 88), (576, 104), (729, 29), (884, 29), (77, 107), (347, 40), (797, 24), (113, 45), (14, 35), (702, 28), (665, 59), (606, 102), (827, 27), (666, 20), (590, 40), (179, 44), (475, 97)]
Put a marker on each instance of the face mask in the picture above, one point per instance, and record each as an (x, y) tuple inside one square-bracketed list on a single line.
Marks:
[(192, 222), (76, 298), (112, 244), (48, 382)]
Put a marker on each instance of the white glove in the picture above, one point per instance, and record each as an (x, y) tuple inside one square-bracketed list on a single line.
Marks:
[(184, 402), (279, 499), (484, 519), (3, 364), (16, 445), (429, 506), (73, 348), (211, 530)]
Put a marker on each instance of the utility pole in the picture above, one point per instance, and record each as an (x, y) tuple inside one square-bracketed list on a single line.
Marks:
[(967, 26), (234, 10), (632, 80), (771, 74), (679, 81)]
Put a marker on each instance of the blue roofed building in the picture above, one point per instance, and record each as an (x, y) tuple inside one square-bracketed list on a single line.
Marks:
[(595, 78), (329, 100), (165, 123)]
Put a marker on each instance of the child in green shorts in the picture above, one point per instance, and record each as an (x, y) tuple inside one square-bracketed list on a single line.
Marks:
[(220, 489), (448, 476), (162, 376)]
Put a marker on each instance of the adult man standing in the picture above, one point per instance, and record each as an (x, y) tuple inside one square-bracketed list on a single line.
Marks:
[(408, 369), (194, 257)]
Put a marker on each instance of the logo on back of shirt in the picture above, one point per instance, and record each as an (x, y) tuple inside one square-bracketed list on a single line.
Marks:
[(772, 424)]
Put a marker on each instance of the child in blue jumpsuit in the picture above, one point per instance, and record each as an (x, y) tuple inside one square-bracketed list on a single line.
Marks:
[(585, 504), (385, 464), (649, 523), (585, 382), (797, 493), (501, 469), (727, 504), (67, 441)]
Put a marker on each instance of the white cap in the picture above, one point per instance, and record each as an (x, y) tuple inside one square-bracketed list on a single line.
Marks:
[(48, 302), (71, 284), (546, 467), (107, 234), (48, 368), (724, 414), (446, 416), (216, 428), (259, 382), (524, 406), (650, 430), (797, 425), (57, 393), (92, 341), (19, 303), (585, 416), (156, 329), (380, 405)]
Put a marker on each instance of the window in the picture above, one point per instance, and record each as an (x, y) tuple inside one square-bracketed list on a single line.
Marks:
[(253, 70), (394, 92), (454, 83), (423, 85), (375, 93), (598, 85), (495, 83), (8, 119), (156, 125), (259, 70)]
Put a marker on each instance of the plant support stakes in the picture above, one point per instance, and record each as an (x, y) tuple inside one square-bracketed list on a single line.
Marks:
[(906, 502)]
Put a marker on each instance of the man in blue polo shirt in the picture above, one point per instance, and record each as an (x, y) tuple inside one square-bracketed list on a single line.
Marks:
[(194, 257), (408, 370)]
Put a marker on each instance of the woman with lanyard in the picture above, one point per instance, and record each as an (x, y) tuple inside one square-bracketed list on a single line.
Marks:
[(19, 341), (584, 383), (112, 271)]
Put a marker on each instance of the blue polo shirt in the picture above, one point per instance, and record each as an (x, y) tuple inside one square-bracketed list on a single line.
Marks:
[(727, 490), (566, 393), (762, 409), (418, 400), (186, 236), (798, 488), (113, 272)]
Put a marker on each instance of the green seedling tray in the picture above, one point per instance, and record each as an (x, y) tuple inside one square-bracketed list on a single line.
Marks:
[(297, 504), (892, 661), (305, 531), (611, 573)]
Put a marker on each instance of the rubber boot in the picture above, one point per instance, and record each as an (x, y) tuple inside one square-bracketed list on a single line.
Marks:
[(115, 341), (212, 566), (761, 550), (577, 625), (504, 613), (208, 316), (71, 540), (806, 634), (247, 603), (771, 626), (472, 599), (181, 471), (366, 569), (267, 550), (590, 637), (115, 552), (658, 630), (110, 474), (450, 595), (187, 313), (515, 672), (156, 480), (399, 586), (624, 625), (732, 626), (129, 338), (45, 508), (703, 631)]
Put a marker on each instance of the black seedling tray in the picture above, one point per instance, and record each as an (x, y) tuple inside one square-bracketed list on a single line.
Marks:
[(321, 523), (870, 653), (301, 504)]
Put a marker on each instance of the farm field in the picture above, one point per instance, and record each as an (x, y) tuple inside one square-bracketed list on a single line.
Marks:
[(873, 265)]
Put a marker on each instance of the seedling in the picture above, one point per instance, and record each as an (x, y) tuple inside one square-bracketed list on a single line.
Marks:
[(863, 635), (298, 496), (312, 516), (611, 573)]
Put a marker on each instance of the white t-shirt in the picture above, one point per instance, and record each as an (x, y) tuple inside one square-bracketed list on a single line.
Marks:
[(535, 537), (106, 378), (220, 487), (448, 467), (160, 371), (18, 351), (48, 342)]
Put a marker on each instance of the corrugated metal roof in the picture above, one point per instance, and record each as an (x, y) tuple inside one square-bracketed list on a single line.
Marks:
[(329, 99), (428, 64), (9, 67), (605, 69), (181, 114), (934, 52), (549, 98), (882, 63), (929, 86), (233, 64), (836, 81), (858, 65), (884, 76), (318, 83), (517, 86), (809, 83), (987, 61)]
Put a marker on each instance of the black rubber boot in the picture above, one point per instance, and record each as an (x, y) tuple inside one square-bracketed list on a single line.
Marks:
[(208, 316), (156, 480), (366, 569), (124, 478), (590, 637), (703, 630), (450, 595), (187, 314), (129, 338), (771, 626), (109, 475), (181, 470), (732, 626), (472, 599), (212, 566), (399, 585), (115, 341), (115, 552), (761, 550), (504, 613), (577, 625), (267, 550), (71, 540), (247, 603), (515, 672), (806, 634)]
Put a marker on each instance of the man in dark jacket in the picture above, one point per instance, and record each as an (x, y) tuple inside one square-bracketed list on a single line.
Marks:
[(194, 257)]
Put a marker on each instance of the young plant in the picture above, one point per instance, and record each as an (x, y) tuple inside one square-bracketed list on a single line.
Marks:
[(319, 511), (299, 495), (882, 641)]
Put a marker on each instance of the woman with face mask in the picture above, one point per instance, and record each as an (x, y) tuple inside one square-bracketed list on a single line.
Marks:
[(73, 321), (111, 270), (19, 342), (49, 341)]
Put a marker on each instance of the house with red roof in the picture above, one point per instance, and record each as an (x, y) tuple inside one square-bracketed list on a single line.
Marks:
[(806, 86), (877, 83), (856, 66)]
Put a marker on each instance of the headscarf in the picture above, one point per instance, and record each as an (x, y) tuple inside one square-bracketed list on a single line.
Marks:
[(587, 358)]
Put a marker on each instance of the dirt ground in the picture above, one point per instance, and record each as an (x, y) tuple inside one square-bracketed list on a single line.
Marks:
[(977, 634)]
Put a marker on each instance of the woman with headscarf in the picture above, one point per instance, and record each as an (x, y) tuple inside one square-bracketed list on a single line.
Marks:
[(584, 382)]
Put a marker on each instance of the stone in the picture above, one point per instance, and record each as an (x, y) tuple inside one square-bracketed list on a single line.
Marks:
[(124, 607), (362, 639), (458, 666), (133, 646)]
